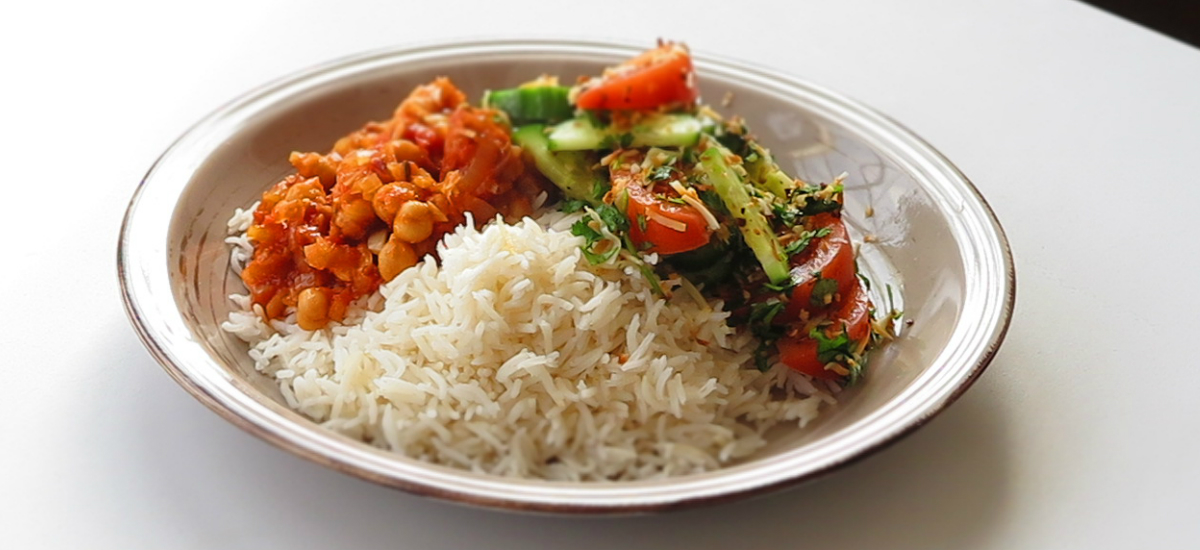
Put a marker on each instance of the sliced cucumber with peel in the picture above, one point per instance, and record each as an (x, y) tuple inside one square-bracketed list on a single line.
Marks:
[(668, 130), (534, 104), (571, 171)]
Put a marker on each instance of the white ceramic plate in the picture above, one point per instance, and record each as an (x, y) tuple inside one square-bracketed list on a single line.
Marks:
[(937, 243)]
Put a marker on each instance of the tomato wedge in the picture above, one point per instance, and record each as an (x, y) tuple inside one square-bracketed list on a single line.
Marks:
[(832, 257), (664, 227), (655, 224), (853, 315), (657, 77)]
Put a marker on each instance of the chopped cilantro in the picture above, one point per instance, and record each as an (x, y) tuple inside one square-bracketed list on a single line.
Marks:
[(785, 214), (641, 222), (820, 206), (785, 286), (571, 206), (599, 189), (823, 292), (597, 248), (804, 239), (762, 355), (765, 312), (661, 173), (583, 228), (712, 200), (736, 143), (592, 238), (839, 349), (829, 349), (613, 218), (895, 314), (761, 325)]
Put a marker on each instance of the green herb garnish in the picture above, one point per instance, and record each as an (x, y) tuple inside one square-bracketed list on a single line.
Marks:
[(594, 239), (840, 349), (571, 206), (661, 173), (823, 292), (803, 240), (785, 286)]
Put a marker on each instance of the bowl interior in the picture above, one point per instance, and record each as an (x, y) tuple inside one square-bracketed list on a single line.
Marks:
[(934, 243)]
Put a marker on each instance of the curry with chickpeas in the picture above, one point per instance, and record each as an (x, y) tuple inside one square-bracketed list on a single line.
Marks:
[(348, 220)]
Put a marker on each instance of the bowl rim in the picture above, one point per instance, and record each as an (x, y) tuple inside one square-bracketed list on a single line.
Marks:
[(143, 274)]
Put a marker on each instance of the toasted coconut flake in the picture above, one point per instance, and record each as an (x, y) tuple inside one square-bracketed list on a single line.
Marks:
[(689, 196)]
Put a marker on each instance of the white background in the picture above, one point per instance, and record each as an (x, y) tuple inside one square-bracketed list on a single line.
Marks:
[(1082, 130)]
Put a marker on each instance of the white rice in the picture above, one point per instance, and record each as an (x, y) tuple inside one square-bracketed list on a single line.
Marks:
[(516, 357)]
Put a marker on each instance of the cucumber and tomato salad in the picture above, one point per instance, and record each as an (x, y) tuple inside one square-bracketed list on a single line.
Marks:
[(660, 174)]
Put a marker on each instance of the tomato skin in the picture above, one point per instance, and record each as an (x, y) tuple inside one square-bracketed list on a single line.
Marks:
[(645, 210), (657, 237), (657, 77), (800, 354), (853, 314), (832, 256)]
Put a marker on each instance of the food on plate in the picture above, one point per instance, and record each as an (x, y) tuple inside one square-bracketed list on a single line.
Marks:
[(608, 281)]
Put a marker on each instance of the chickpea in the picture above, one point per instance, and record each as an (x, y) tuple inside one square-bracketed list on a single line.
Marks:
[(403, 149), (413, 223), (312, 308), (402, 170), (316, 165), (368, 185), (424, 181), (320, 254), (388, 199), (395, 257), (355, 217)]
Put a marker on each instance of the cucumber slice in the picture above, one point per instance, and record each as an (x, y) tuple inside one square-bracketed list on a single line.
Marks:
[(667, 131), (765, 174), (755, 228), (577, 135), (544, 104), (580, 134), (571, 171)]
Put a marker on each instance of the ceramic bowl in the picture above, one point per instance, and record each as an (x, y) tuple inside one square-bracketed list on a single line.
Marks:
[(935, 242)]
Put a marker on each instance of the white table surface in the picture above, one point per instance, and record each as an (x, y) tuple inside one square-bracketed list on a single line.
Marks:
[(1082, 130)]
